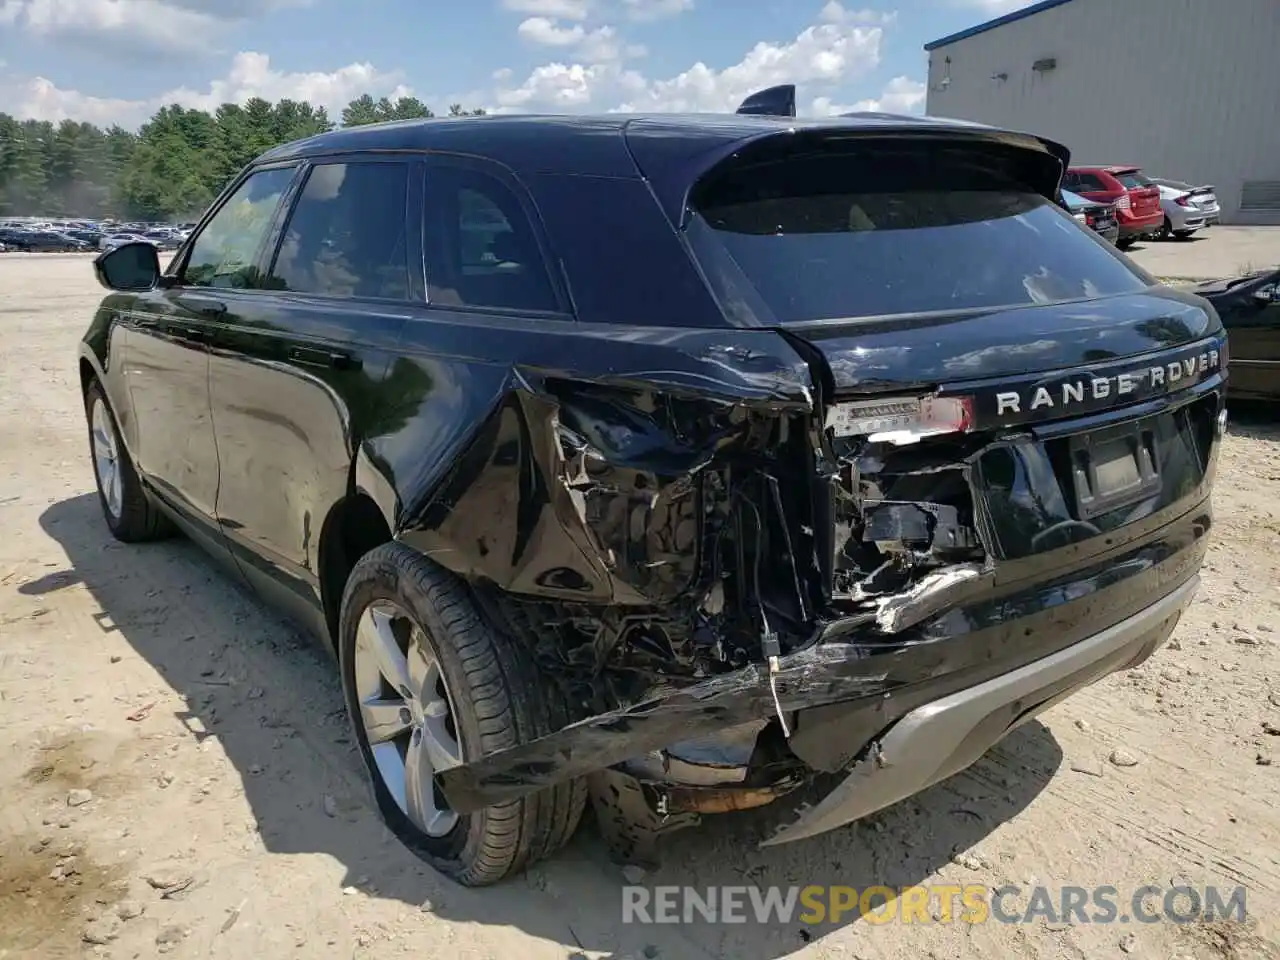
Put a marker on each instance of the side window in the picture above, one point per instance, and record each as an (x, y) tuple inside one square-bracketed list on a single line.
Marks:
[(481, 249), (346, 236), (1092, 182), (223, 253)]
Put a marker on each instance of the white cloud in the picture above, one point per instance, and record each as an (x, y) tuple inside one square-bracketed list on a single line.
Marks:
[(251, 75), (901, 95), (560, 9), (154, 25), (824, 53), (544, 30), (558, 85), (835, 12), (643, 10), (593, 46)]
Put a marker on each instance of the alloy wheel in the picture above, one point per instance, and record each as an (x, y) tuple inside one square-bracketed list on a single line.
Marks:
[(406, 713), (106, 462)]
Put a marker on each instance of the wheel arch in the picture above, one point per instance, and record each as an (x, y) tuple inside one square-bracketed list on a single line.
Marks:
[(354, 526)]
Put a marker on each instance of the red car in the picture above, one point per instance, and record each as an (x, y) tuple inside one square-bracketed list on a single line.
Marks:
[(1135, 196)]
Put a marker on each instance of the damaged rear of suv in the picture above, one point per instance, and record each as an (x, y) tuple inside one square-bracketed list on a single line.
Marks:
[(746, 448)]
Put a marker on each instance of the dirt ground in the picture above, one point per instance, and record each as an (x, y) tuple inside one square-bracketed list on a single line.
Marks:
[(1209, 254), (177, 776)]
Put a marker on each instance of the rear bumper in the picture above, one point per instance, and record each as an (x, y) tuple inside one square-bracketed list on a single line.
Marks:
[(943, 736), (1187, 220), (1132, 225), (845, 691)]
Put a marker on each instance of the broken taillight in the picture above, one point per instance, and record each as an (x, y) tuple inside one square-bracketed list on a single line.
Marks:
[(900, 419)]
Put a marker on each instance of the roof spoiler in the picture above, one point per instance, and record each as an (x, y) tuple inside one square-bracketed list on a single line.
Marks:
[(779, 101)]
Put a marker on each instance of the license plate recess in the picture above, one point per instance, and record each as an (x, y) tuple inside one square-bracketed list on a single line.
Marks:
[(1114, 467)]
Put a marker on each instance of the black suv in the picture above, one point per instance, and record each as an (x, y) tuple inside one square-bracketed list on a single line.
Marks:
[(666, 461)]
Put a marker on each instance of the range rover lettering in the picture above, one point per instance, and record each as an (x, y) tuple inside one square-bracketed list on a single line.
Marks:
[(663, 463)]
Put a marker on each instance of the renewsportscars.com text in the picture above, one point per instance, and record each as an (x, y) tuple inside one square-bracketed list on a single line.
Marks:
[(934, 903)]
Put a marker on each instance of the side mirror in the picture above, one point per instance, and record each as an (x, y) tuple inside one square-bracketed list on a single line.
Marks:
[(130, 267), (1267, 295)]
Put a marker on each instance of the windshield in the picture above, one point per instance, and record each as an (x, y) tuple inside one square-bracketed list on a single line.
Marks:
[(817, 238)]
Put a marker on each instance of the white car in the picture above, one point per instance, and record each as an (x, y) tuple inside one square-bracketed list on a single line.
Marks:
[(120, 239), (1182, 216), (1192, 199)]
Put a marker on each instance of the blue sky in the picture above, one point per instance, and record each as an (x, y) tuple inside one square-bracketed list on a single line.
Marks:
[(115, 61)]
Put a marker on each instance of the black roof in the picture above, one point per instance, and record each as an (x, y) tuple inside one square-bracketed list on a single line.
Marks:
[(670, 150), (583, 144)]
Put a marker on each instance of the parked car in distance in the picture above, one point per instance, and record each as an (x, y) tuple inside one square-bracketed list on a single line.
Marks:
[(1096, 215), (1250, 310), (642, 494), (164, 239), (1204, 197), (119, 239), (1136, 198), (92, 238), (1182, 218), (43, 241)]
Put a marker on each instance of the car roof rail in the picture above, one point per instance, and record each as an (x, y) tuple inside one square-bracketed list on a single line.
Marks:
[(779, 101)]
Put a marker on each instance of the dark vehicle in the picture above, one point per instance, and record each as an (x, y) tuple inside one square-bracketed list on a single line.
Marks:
[(1099, 217), (1134, 196), (91, 238), (41, 241), (1250, 310), (666, 460)]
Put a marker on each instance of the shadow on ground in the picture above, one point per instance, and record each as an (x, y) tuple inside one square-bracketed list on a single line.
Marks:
[(271, 698), (1254, 419)]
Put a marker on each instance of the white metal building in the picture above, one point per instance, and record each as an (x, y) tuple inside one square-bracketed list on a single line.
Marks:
[(1186, 89)]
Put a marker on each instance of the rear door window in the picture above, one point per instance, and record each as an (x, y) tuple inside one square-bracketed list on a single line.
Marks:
[(866, 235), (481, 246), (347, 236)]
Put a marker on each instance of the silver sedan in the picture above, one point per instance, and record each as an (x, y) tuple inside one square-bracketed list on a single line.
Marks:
[(1186, 208)]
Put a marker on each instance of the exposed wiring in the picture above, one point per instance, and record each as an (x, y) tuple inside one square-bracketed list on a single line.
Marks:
[(768, 639)]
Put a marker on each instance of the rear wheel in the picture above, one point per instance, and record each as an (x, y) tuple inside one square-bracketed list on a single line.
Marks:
[(1124, 243), (429, 684), (130, 514)]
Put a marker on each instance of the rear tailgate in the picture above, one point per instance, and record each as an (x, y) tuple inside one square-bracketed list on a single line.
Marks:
[(959, 325), (1144, 195)]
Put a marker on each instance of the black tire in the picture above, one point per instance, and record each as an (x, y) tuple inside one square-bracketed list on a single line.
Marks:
[(139, 519), (1183, 234), (500, 700), (1124, 243)]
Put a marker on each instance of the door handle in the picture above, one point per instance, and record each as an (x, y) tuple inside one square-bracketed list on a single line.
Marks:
[(209, 308), (187, 333), (330, 359)]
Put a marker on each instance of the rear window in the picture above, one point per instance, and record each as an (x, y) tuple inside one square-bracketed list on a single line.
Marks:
[(824, 237), (1134, 180)]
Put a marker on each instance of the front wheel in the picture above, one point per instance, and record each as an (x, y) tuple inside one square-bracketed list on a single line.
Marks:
[(130, 515), (429, 685)]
